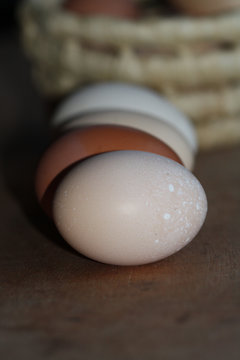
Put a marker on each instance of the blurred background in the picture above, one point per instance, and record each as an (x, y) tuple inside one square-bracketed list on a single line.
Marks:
[(23, 130)]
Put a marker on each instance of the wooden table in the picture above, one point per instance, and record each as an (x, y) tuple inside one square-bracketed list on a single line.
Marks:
[(56, 304)]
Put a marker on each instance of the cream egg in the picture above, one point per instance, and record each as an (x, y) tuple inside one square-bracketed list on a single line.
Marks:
[(129, 207), (129, 98), (152, 126)]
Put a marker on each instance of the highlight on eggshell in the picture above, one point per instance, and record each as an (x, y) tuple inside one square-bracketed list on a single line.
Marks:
[(115, 8), (129, 207)]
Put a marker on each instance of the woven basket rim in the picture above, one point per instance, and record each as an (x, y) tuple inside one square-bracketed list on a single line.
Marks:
[(161, 30)]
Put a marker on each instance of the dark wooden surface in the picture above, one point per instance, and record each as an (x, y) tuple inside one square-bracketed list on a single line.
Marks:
[(56, 304)]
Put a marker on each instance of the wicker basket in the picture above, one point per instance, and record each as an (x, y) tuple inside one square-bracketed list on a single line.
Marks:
[(195, 62)]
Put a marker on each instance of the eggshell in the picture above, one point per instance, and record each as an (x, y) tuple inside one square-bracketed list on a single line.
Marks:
[(88, 141), (129, 207), (206, 7), (125, 97), (160, 129), (115, 8)]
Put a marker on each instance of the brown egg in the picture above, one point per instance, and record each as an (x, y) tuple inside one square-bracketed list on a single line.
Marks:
[(206, 7), (114, 8), (85, 142)]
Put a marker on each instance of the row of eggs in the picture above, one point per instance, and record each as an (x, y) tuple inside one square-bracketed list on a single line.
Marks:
[(117, 182)]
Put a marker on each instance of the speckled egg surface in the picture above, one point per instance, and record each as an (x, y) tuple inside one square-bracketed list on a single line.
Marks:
[(129, 207)]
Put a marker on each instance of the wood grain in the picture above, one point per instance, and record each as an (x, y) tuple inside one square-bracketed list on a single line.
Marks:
[(56, 304)]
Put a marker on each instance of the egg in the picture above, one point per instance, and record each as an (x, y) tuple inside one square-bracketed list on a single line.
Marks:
[(129, 207), (155, 127), (85, 142), (114, 8), (126, 98), (206, 7)]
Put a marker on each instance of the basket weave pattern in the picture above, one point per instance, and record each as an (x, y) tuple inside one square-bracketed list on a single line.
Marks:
[(194, 62)]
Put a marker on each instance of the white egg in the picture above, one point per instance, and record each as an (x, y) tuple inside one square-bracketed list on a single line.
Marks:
[(125, 97), (129, 207)]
